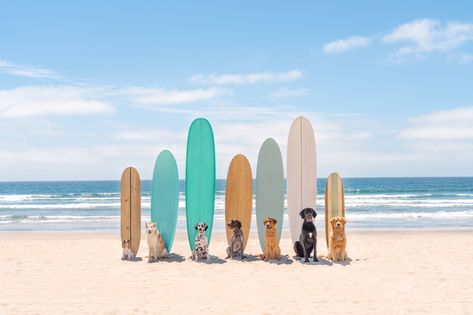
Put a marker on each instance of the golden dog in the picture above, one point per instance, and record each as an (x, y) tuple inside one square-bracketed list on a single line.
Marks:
[(271, 239), (337, 241)]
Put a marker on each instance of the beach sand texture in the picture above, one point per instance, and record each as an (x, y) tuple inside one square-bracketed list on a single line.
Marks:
[(389, 273)]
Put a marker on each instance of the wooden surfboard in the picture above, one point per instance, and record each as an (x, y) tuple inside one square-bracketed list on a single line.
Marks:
[(269, 188), (301, 173), (165, 196), (334, 201), (239, 195), (200, 178), (130, 209)]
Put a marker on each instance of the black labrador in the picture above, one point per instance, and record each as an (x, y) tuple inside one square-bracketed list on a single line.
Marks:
[(308, 239)]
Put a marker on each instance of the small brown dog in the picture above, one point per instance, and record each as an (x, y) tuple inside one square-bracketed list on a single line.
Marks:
[(271, 239), (337, 240)]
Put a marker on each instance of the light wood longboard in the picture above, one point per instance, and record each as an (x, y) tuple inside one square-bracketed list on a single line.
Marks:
[(269, 188), (334, 201), (301, 173), (200, 178), (165, 196), (239, 195), (130, 209)]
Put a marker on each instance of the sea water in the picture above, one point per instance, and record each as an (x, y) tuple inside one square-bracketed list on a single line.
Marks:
[(371, 203)]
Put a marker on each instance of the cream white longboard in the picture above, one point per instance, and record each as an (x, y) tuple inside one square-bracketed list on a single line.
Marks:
[(301, 176)]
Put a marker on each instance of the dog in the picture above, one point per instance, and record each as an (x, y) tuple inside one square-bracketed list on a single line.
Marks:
[(337, 241), (271, 250), (156, 246), (126, 247), (308, 238), (201, 243), (235, 247)]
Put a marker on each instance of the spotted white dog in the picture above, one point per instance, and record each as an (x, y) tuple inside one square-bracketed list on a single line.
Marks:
[(201, 250)]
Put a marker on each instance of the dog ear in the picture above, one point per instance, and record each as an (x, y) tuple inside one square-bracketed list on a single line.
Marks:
[(332, 220), (274, 221), (196, 225), (205, 226), (302, 214), (229, 224), (314, 214), (344, 221), (239, 224)]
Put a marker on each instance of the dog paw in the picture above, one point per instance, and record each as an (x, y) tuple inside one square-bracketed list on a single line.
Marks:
[(315, 259)]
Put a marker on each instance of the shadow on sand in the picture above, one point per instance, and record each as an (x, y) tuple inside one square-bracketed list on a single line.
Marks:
[(170, 259), (248, 258), (135, 259), (211, 260), (322, 261)]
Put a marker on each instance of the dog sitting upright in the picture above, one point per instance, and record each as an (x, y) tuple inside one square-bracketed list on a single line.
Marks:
[(337, 242), (235, 246), (126, 247), (308, 238), (201, 243), (271, 239), (156, 245)]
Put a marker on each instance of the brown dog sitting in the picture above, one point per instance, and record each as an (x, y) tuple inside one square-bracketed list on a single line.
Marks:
[(337, 242), (271, 239)]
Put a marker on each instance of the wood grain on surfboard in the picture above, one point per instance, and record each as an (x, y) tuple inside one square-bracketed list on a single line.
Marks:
[(165, 196), (301, 180), (239, 195), (334, 201), (200, 178), (130, 208), (269, 188)]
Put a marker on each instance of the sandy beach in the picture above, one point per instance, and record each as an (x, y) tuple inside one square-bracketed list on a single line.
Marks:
[(389, 273)]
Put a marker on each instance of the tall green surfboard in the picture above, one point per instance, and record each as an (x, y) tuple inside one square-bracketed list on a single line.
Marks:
[(165, 196), (269, 188), (200, 178)]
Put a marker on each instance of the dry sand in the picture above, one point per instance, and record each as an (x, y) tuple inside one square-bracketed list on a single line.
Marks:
[(389, 273)]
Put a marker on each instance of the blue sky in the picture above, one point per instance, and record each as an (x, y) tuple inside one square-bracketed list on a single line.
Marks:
[(89, 88)]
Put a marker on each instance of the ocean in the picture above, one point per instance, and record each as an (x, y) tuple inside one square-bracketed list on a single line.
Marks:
[(371, 204)]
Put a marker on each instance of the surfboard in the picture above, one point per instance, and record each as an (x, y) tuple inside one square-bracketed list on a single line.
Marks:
[(334, 201), (239, 195), (200, 178), (130, 208), (269, 188), (165, 196), (301, 176)]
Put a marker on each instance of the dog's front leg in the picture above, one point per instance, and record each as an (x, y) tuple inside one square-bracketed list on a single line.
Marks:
[(306, 254), (315, 249)]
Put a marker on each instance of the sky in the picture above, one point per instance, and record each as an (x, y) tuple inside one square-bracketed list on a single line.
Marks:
[(90, 87)]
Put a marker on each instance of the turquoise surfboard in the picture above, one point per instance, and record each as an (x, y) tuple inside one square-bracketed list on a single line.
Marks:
[(269, 188), (165, 196), (200, 178)]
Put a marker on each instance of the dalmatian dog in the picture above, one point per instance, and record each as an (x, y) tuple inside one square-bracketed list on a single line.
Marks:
[(201, 247)]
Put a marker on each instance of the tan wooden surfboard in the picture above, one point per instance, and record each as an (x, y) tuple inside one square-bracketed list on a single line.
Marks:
[(239, 195), (334, 201), (130, 210)]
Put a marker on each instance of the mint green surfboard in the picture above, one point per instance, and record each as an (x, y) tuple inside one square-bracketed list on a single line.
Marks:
[(200, 178), (269, 188), (165, 196)]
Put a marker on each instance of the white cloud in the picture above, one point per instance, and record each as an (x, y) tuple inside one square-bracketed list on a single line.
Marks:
[(446, 125), (465, 58), (149, 135), (349, 43), (160, 96), (27, 71), (51, 100), (285, 93), (248, 78), (428, 35)]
